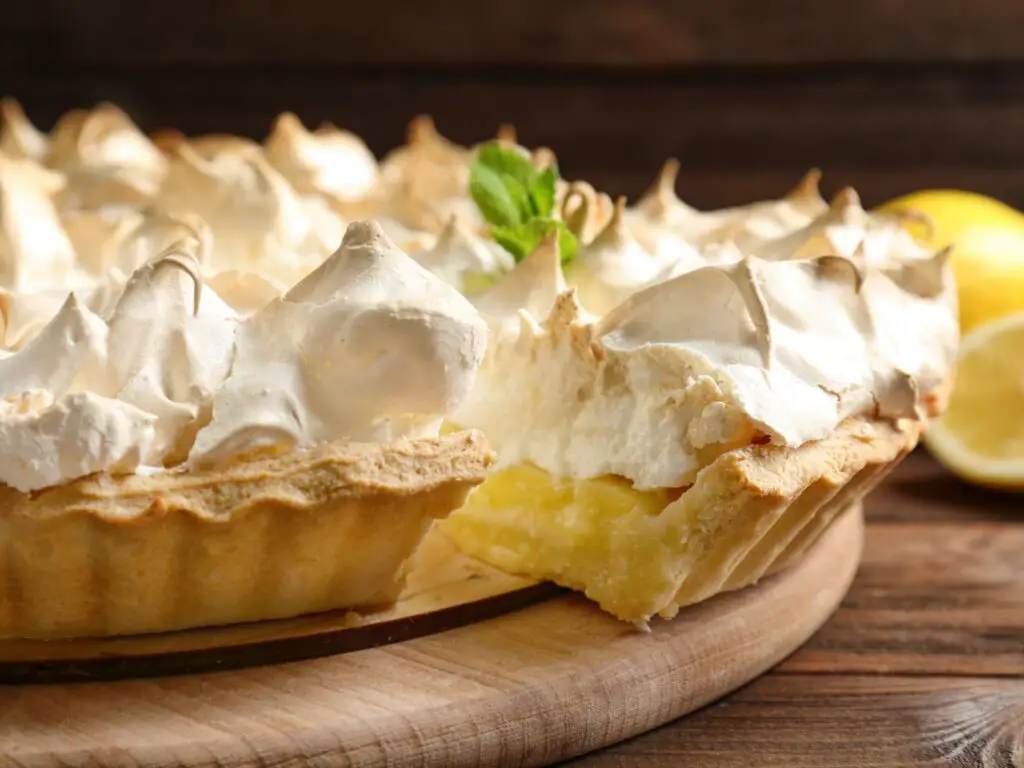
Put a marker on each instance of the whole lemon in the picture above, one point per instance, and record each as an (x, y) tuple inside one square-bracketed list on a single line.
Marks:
[(988, 255)]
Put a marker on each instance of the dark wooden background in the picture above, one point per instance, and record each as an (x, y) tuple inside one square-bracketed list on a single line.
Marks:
[(887, 95)]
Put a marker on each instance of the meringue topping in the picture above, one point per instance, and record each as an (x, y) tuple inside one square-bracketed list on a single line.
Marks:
[(327, 160), (115, 394), (771, 218), (464, 260), (710, 361), (107, 159), (530, 288), (584, 210), (440, 167), (35, 251), (370, 346), (843, 229), (255, 216), (245, 292), (18, 137), (612, 266)]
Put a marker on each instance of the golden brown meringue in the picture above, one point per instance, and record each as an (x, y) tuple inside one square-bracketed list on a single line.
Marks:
[(325, 161), (107, 159), (18, 137)]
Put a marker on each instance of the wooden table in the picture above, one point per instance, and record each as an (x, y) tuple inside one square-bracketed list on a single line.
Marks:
[(922, 665)]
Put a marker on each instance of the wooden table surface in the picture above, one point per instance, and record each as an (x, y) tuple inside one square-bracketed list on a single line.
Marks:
[(923, 665)]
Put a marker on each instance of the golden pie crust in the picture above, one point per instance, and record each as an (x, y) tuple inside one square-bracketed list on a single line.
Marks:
[(308, 531)]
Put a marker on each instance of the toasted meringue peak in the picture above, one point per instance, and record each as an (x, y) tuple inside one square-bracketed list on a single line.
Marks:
[(255, 216), (35, 251), (843, 229), (507, 134), (370, 346), (24, 315), (108, 160), (808, 188), (325, 161), (437, 167), (412, 207), (168, 139), (532, 286), (544, 157), (464, 260), (660, 204), (612, 266), (585, 210), (113, 247), (18, 137), (66, 355), (767, 219)]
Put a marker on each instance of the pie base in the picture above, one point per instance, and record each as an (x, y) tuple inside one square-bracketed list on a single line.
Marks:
[(751, 512), (269, 538)]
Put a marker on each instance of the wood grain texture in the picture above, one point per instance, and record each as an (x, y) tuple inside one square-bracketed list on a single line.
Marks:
[(810, 721), (930, 598), (528, 688), (640, 33), (738, 138), (921, 490)]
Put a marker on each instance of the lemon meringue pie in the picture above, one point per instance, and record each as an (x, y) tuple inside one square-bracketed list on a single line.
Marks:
[(211, 412)]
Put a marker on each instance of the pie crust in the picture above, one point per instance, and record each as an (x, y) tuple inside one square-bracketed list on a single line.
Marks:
[(308, 531)]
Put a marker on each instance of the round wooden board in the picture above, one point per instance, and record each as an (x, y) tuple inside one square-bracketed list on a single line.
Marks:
[(540, 684)]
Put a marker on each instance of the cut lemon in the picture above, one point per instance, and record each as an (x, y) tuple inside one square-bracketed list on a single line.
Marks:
[(980, 437)]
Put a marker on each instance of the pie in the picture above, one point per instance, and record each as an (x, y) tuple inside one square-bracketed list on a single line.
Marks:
[(213, 412)]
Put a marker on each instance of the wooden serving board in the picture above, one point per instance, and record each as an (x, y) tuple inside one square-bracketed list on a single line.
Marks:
[(554, 679)]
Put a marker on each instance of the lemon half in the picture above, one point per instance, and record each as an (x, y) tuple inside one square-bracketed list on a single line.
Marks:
[(980, 437)]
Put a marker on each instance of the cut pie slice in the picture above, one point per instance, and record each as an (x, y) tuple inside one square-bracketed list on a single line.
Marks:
[(645, 553)]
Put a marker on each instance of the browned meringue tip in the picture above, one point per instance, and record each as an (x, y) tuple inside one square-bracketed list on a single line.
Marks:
[(544, 157), (839, 266), (902, 215), (665, 183), (926, 277), (11, 110), (167, 139), (287, 123), (615, 230), (421, 129), (809, 186), (97, 120), (507, 134), (846, 197)]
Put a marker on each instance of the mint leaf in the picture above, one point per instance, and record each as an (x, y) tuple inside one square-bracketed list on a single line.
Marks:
[(515, 240), (492, 197), (517, 200), (522, 240), (542, 190), (519, 193), (507, 161)]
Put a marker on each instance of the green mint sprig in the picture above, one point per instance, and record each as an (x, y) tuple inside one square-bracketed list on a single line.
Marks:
[(517, 201)]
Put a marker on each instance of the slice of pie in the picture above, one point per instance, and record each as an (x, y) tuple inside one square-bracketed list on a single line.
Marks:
[(705, 431)]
